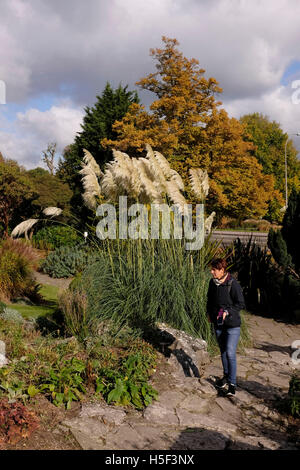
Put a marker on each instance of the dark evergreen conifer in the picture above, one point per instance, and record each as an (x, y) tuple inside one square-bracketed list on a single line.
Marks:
[(97, 124)]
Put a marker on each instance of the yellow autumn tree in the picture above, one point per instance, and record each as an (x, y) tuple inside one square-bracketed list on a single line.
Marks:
[(185, 123)]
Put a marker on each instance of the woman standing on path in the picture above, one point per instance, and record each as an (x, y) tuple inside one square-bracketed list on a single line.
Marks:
[(224, 301)]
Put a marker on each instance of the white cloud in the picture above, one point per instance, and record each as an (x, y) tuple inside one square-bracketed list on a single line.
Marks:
[(245, 45), (71, 48), (278, 105), (26, 137)]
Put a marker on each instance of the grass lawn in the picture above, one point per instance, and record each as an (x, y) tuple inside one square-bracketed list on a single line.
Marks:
[(50, 295)]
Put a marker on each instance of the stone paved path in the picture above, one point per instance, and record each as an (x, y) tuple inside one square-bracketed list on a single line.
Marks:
[(190, 414)]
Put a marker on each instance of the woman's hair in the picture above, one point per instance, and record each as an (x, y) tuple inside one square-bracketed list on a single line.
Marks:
[(219, 263)]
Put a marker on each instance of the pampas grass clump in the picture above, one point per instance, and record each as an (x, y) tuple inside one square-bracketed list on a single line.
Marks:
[(137, 283), (145, 180)]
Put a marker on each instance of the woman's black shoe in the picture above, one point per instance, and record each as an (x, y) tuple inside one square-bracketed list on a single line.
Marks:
[(230, 392), (221, 383)]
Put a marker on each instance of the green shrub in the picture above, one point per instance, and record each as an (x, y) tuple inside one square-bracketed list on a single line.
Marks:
[(54, 236), (259, 278), (67, 261), (261, 225), (278, 247), (291, 227), (64, 371), (64, 382), (143, 283), (122, 379), (286, 252), (293, 399)]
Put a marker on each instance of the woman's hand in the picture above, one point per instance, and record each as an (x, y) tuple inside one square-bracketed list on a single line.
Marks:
[(225, 313)]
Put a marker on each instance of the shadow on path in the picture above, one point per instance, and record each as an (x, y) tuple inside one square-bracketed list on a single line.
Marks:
[(205, 439), (269, 347)]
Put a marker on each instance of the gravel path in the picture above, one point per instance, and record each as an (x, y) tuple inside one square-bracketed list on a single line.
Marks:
[(45, 279), (190, 414)]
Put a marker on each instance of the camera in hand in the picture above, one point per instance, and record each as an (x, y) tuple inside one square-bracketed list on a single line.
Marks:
[(220, 317)]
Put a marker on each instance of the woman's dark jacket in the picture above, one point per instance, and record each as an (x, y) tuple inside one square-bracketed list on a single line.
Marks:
[(228, 296)]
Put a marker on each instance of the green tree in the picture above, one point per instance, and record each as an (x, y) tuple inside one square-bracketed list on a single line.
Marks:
[(50, 192), (16, 192), (269, 149), (187, 126), (98, 121), (97, 124)]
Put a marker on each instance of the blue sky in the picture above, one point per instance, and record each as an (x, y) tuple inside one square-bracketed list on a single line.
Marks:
[(292, 72), (56, 56)]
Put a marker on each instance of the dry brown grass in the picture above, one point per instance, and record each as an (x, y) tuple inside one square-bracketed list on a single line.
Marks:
[(17, 262)]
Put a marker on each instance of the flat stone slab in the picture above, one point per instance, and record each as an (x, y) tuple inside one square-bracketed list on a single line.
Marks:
[(107, 414), (170, 399), (195, 404), (189, 418), (226, 410), (210, 422), (144, 436), (90, 433), (255, 352), (160, 415), (125, 438), (276, 380), (244, 397), (86, 441), (187, 384)]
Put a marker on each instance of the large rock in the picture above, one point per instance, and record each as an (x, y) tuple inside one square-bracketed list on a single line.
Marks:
[(94, 423), (3, 359), (188, 353)]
